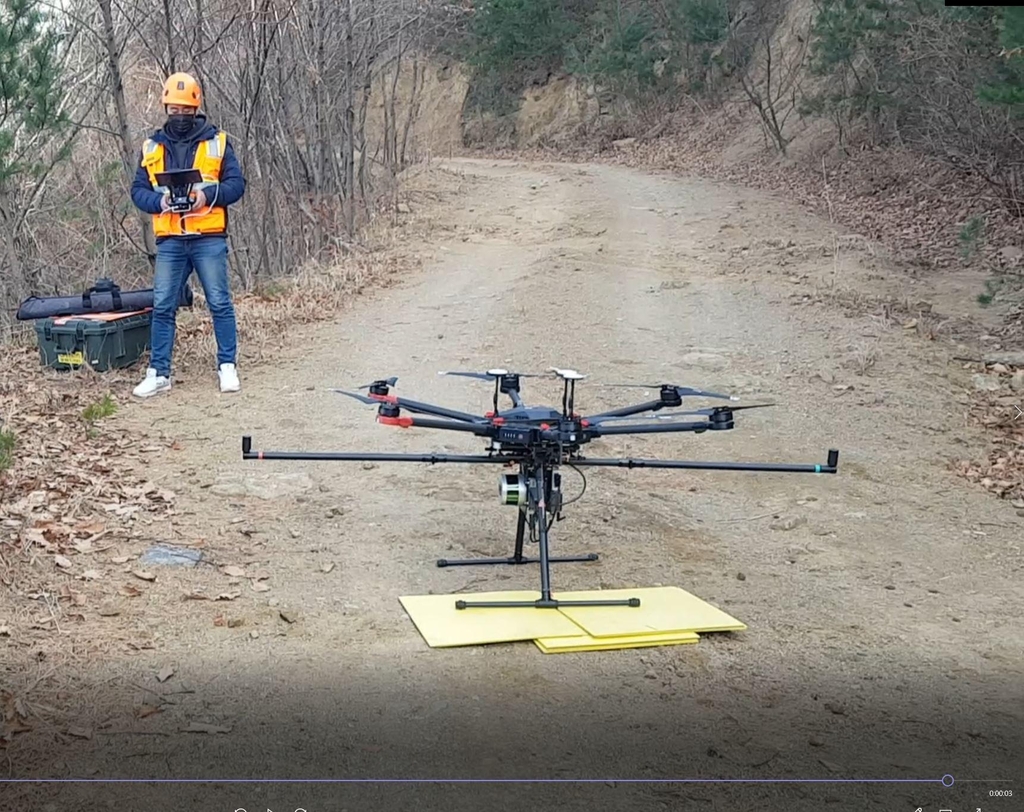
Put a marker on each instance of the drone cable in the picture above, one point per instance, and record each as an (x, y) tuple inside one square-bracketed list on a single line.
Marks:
[(584, 478)]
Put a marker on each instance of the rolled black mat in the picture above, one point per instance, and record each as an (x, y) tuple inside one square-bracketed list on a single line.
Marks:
[(103, 297)]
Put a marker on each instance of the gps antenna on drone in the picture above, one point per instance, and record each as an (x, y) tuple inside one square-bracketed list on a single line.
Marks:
[(537, 440)]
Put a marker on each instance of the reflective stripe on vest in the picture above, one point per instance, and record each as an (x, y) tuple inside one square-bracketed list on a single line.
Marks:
[(208, 159)]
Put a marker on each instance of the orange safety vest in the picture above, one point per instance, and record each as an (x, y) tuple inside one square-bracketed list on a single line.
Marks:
[(208, 220)]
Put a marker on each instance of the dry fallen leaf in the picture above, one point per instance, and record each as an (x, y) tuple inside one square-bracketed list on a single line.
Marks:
[(259, 586), (5, 631), (144, 575), (90, 528), (121, 559), (165, 674), (80, 732), (91, 575), (228, 596), (234, 572), (36, 536), (143, 711), (130, 591), (62, 561), (327, 567)]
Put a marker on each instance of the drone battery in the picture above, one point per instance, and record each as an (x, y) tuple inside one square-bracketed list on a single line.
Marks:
[(514, 436), (512, 489)]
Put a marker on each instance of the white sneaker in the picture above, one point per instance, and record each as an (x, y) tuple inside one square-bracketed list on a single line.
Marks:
[(153, 384), (228, 378)]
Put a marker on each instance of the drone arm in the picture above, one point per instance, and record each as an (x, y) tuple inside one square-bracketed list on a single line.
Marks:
[(626, 411), (436, 411), (479, 429), (650, 428), (318, 456), (830, 467)]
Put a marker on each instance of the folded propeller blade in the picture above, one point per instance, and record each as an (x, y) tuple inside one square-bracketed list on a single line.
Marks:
[(389, 382), (357, 396), (489, 375), (676, 415), (682, 391)]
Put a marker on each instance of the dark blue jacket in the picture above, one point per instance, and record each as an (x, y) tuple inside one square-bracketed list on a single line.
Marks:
[(179, 154)]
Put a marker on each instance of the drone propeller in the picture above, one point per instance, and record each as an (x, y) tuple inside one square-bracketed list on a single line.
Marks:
[(357, 396), (682, 391), (697, 412), (389, 382), (490, 374)]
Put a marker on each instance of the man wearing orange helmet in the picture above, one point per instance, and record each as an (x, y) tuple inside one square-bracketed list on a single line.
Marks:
[(194, 240)]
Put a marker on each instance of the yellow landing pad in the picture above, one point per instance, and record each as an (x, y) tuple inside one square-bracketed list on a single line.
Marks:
[(559, 645), (662, 609), (666, 616), (442, 625)]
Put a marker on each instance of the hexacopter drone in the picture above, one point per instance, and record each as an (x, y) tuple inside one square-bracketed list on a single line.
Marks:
[(537, 440)]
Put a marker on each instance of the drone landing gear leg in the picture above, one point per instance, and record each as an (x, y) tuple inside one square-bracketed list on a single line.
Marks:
[(517, 557), (537, 488)]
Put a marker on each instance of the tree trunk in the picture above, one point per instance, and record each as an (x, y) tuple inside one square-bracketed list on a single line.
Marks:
[(117, 90), (413, 111), (169, 33), (350, 124)]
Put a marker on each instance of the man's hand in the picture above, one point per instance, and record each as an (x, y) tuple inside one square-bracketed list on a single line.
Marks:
[(200, 201), (165, 203)]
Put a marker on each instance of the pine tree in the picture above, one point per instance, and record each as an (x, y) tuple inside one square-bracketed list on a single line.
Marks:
[(30, 92), (1008, 89)]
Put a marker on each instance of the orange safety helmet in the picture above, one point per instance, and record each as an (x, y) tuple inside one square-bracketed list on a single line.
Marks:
[(180, 88)]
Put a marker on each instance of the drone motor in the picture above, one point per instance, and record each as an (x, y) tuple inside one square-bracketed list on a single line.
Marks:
[(512, 489)]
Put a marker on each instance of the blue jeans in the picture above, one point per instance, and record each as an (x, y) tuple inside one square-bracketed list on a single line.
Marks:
[(175, 261)]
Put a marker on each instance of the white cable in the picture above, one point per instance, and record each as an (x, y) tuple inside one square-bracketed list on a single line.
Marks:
[(211, 203)]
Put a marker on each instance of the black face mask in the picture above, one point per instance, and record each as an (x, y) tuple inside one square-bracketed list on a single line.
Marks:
[(179, 125)]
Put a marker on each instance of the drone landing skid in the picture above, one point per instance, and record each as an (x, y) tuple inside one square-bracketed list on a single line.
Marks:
[(544, 604), (545, 601)]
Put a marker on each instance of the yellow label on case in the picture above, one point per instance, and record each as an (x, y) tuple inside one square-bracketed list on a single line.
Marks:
[(71, 358)]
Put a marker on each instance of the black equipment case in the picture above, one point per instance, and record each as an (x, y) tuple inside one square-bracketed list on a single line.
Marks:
[(101, 341)]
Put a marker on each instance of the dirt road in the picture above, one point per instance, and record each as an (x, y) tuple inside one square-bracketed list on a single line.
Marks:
[(884, 634)]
